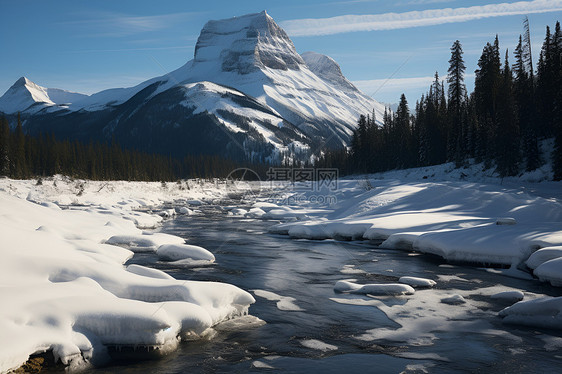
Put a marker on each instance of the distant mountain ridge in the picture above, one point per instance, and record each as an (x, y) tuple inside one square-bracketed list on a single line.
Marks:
[(247, 93)]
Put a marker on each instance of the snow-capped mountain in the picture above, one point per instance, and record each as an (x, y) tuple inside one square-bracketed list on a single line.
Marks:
[(246, 79), (24, 95)]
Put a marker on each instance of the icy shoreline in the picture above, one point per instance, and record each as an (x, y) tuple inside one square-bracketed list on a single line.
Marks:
[(486, 224), (63, 290), (460, 222), (66, 289)]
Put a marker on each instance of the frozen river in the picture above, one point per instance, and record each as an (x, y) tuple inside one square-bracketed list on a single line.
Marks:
[(310, 328)]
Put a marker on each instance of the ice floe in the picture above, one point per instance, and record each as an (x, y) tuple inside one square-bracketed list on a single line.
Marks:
[(384, 289), (286, 303), (318, 345), (175, 252), (417, 282)]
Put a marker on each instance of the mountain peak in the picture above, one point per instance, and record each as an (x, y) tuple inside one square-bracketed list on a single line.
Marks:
[(245, 44), (24, 95), (23, 81), (326, 68)]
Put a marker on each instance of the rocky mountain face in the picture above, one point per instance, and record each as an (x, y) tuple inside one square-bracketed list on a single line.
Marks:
[(247, 93)]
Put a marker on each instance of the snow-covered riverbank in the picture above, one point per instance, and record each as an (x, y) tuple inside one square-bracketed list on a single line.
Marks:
[(63, 290), (64, 287)]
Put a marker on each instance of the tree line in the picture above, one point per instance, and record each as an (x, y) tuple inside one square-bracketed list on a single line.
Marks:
[(23, 156), (512, 108)]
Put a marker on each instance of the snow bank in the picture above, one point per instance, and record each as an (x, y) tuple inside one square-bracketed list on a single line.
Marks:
[(459, 221), (543, 255), (550, 271), (543, 312), (509, 296), (64, 291)]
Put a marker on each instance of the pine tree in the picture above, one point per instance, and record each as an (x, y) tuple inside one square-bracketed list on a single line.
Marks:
[(457, 92), (545, 87), (360, 145), (556, 68), (487, 82), (527, 54), (525, 102), (401, 134)]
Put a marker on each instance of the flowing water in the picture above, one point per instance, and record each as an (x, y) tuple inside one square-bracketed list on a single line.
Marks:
[(306, 271)]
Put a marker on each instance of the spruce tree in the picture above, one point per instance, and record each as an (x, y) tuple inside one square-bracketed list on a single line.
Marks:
[(525, 102), (457, 92), (487, 82), (556, 73), (401, 138), (545, 87)]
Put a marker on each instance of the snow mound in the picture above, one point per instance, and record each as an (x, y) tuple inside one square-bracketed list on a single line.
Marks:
[(175, 252), (283, 213), (550, 271), (453, 300), (506, 221), (64, 291), (417, 282), (511, 296), (186, 211), (389, 289), (543, 255), (167, 213), (255, 213), (543, 312), (145, 242)]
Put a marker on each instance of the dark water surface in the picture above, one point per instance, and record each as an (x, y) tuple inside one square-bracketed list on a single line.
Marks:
[(252, 259)]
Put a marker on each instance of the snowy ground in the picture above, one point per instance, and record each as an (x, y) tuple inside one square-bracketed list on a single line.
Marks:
[(462, 215), (65, 289)]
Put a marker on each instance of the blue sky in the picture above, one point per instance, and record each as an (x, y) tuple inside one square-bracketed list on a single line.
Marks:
[(385, 47)]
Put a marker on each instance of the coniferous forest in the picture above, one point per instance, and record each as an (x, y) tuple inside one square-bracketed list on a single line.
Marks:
[(513, 107), (23, 156)]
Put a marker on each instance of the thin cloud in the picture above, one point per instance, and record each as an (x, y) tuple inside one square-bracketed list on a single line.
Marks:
[(391, 21), (117, 25), (132, 49), (423, 2)]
